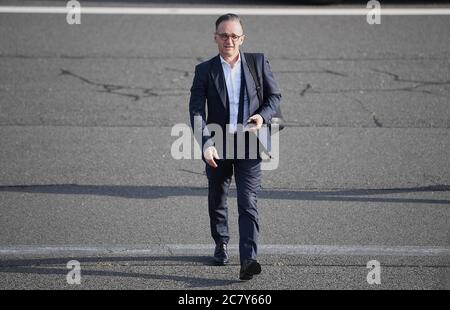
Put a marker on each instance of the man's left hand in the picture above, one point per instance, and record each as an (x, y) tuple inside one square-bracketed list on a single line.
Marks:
[(254, 123)]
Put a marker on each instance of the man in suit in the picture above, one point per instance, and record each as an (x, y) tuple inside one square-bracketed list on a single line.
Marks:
[(226, 85)]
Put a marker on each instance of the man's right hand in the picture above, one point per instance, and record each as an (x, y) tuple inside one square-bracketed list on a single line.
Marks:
[(210, 154)]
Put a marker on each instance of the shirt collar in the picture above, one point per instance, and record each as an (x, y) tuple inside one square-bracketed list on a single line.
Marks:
[(238, 62)]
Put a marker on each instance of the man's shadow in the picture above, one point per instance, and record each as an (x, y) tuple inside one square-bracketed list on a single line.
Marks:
[(57, 266), (44, 266), (157, 192)]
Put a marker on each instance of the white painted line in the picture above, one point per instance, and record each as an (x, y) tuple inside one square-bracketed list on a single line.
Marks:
[(219, 11), (206, 249)]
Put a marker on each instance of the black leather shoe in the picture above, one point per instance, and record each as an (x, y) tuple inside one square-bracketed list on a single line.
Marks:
[(249, 269), (221, 254)]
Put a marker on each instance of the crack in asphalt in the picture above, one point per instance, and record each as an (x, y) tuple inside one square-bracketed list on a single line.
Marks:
[(142, 92), (186, 73), (307, 87), (376, 121), (367, 90), (189, 171), (136, 93), (418, 84), (322, 71), (398, 58), (82, 57), (145, 92), (421, 82), (374, 117)]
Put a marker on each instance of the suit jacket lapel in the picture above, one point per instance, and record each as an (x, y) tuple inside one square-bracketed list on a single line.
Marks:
[(250, 85), (219, 79)]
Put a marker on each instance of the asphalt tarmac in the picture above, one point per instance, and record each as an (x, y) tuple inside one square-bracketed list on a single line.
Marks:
[(86, 171)]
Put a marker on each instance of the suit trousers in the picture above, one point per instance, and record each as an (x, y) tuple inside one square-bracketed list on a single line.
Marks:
[(247, 174)]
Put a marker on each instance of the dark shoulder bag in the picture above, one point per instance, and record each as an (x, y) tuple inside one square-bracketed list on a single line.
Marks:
[(251, 62)]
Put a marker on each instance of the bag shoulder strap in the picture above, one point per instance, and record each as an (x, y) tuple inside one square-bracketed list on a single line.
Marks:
[(251, 63)]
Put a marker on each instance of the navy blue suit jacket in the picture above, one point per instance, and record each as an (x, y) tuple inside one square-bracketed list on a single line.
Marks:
[(209, 87)]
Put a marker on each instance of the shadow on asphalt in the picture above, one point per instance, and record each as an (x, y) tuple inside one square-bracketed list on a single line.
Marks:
[(57, 266), (158, 192)]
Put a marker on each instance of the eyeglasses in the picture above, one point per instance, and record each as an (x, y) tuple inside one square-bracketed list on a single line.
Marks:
[(225, 36)]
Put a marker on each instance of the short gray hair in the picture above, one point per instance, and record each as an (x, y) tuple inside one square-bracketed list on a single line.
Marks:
[(226, 17)]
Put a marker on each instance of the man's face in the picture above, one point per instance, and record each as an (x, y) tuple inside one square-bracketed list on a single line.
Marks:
[(229, 37)]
